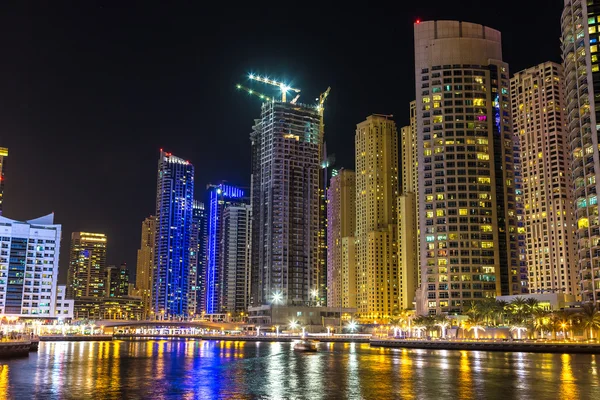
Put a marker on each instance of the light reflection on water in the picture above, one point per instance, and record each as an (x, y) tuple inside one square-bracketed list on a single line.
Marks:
[(244, 370)]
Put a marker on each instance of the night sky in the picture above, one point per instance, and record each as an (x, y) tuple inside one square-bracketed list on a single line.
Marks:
[(90, 92)]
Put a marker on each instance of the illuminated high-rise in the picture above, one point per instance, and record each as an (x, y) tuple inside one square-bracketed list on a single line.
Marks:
[(198, 260), (29, 267), (236, 253), (539, 123), (3, 155), (408, 215), (580, 41), (286, 161), (467, 206), (223, 253), (174, 201), (145, 264), (376, 151), (117, 281), (341, 224), (87, 265)]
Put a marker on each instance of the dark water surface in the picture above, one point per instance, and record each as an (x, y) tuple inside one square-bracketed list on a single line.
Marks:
[(245, 370)]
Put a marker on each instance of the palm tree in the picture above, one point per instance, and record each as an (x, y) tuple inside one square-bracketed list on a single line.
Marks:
[(518, 329), (518, 310), (500, 310), (589, 318), (541, 321), (443, 322), (487, 309), (559, 320), (472, 309), (475, 324)]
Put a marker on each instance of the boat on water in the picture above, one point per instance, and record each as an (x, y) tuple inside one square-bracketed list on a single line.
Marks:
[(306, 345)]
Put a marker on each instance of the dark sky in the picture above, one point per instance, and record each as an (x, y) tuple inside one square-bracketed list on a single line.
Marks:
[(89, 92)]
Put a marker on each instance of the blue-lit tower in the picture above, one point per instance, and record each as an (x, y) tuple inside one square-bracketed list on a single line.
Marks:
[(219, 197), (197, 297), (174, 201)]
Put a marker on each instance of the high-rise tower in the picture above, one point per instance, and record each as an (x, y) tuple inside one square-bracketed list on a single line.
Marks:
[(236, 252), (580, 41), (376, 151), (87, 265), (145, 264), (221, 197), (3, 155), (467, 206), (408, 215), (341, 224), (174, 200), (198, 260), (540, 124), (286, 161)]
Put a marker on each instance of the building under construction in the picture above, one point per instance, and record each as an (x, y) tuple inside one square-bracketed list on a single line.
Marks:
[(286, 162)]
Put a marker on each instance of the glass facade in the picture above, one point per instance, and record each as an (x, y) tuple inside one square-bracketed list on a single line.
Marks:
[(580, 35), (174, 200)]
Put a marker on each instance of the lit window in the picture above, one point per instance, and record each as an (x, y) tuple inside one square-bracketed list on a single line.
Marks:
[(592, 29), (463, 211), (583, 223)]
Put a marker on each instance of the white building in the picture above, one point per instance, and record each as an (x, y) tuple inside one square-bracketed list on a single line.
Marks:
[(63, 308), (29, 266)]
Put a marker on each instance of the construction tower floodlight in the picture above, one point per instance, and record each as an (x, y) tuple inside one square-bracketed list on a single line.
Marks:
[(282, 86)]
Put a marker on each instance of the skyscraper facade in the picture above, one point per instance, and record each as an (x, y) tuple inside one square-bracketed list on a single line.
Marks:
[(408, 215), (87, 265), (286, 160), (235, 255), (539, 123), (3, 156), (221, 197), (145, 265), (174, 201), (580, 40), (467, 205), (198, 260), (29, 252), (117, 281), (376, 151), (341, 224)]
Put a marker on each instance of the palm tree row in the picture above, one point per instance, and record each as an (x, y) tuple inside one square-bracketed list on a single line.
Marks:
[(526, 315)]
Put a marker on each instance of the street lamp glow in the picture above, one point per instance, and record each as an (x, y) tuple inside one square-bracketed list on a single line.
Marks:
[(314, 292), (352, 325), (277, 298), (293, 324)]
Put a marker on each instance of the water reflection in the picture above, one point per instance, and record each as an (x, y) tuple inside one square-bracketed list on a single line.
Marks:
[(220, 370)]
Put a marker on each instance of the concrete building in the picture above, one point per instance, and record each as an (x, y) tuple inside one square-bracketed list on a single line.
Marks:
[(236, 254), (3, 156), (87, 265), (408, 254), (376, 150), (174, 201), (29, 252), (580, 40), (547, 301), (198, 259), (145, 264), (117, 281), (408, 215), (64, 308), (341, 225), (312, 319), (95, 309), (221, 197), (286, 161), (540, 125), (467, 206)]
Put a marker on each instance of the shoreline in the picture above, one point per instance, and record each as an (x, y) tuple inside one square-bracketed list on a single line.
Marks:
[(472, 345), (487, 345)]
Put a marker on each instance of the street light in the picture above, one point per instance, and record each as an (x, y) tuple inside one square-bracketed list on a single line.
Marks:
[(352, 325), (277, 298), (293, 325)]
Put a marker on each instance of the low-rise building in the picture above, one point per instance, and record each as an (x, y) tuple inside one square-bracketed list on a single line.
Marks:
[(314, 319)]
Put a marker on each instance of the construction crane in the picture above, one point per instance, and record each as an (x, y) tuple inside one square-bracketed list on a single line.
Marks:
[(254, 92), (284, 88)]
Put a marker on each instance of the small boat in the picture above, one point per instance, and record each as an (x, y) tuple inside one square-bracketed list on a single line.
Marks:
[(306, 345)]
